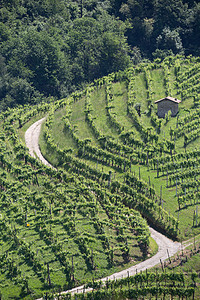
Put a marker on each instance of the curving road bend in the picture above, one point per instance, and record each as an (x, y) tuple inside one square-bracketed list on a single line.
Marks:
[(32, 141), (165, 245)]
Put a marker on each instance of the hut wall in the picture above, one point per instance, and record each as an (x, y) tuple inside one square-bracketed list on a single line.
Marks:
[(166, 105)]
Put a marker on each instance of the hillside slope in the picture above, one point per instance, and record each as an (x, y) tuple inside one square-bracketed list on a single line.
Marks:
[(117, 167)]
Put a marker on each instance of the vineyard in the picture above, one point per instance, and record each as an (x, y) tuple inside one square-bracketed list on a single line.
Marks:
[(117, 167)]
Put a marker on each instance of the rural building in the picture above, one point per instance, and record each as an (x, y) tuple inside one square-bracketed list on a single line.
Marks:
[(166, 104)]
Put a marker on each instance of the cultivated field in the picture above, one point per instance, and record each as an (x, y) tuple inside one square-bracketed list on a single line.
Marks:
[(118, 168)]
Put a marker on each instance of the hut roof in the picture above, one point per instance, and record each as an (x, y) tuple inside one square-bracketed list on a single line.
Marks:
[(175, 100)]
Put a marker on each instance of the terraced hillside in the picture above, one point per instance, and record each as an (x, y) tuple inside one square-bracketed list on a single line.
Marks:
[(111, 128), (117, 167)]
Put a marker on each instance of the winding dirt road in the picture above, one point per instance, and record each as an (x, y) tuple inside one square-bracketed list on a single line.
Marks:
[(165, 245), (32, 141)]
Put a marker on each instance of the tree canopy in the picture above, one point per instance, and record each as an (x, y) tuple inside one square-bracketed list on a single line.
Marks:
[(53, 47)]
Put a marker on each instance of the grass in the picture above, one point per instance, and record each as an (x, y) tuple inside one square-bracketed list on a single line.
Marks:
[(62, 137), (120, 105), (78, 121), (100, 114), (46, 152), (141, 91), (153, 246), (158, 83)]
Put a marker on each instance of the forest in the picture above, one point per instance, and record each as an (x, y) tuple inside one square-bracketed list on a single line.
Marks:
[(51, 48)]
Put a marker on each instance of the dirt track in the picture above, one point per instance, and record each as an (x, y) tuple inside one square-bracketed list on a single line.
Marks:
[(165, 245), (32, 141)]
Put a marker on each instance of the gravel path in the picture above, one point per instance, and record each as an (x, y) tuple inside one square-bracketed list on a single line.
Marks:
[(165, 246), (32, 141)]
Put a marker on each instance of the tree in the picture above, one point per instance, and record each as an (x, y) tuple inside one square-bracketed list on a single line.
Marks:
[(97, 47), (170, 40), (22, 91), (195, 37), (4, 77), (37, 57), (114, 54), (169, 13)]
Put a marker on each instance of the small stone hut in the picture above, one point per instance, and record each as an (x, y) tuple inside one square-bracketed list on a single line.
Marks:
[(166, 104)]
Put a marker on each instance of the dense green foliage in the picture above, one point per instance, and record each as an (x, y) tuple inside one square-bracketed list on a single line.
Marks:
[(53, 47)]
